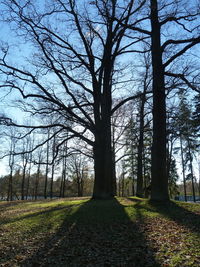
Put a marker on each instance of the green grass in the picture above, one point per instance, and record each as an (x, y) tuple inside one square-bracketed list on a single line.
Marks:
[(84, 232)]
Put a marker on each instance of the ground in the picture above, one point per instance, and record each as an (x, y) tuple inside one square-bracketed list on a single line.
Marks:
[(84, 232)]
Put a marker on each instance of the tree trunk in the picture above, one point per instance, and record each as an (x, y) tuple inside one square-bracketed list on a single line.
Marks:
[(169, 157), (159, 183), (10, 181), (47, 167), (103, 166), (140, 190), (192, 172), (10, 187), (79, 184), (37, 181), (64, 174), (52, 176), (183, 169), (23, 181), (53, 167), (132, 170), (113, 161)]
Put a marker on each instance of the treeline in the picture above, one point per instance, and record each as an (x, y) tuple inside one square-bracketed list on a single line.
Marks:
[(36, 187)]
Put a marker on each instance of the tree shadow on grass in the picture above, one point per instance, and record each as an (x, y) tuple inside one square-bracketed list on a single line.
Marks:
[(173, 229), (179, 214), (98, 233), (46, 212), (171, 210)]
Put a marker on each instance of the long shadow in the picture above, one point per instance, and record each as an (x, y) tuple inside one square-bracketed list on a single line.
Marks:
[(7, 204), (47, 211), (174, 211), (179, 214), (98, 233)]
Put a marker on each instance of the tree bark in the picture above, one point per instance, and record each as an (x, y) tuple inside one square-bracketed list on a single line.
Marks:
[(52, 168), (140, 180), (191, 169), (159, 183), (183, 170), (103, 165), (37, 177), (47, 167), (23, 181), (64, 171)]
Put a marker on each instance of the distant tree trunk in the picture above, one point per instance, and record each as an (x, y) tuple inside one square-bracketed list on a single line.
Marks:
[(10, 186), (183, 169), (169, 156), (47, 167), (30, 156), (64, 175), (52, 178), (140, 190), (113, 162), (191, 169), (132, 172), (28, 182), (159, 183), (119, 187), (61, 187), (123, 185), (64, 168), (79, 185), (52, 167), (37, 177), (145, 177), (79, 177), (139, 187), (11, 165), (23, 180)]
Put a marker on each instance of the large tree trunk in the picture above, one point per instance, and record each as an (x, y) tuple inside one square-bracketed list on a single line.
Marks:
[(103, 166), (104, 183), (159, 183)]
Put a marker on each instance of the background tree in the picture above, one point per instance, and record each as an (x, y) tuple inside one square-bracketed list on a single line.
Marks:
[(166, 54)]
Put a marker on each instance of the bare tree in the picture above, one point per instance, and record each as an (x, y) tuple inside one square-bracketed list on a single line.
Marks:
[(75, 70), (78, 167), (182, 22)]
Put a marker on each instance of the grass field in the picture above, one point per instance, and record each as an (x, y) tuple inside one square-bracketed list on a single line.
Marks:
[(83, 232)]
